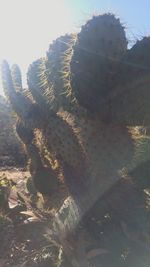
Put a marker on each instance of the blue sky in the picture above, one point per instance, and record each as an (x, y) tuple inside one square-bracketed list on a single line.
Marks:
[(28, 26), (134, 13)]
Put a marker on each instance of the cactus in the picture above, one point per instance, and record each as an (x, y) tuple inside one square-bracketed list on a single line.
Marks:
[(38, 84), (85, 143), (23, 106), (130, 100), (16, 77), (99, 47), (85, 101), (20, 103), (57, 62), (44, 178), (47, 76)]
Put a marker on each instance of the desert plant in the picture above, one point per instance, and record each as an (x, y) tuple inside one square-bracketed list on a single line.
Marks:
[(17, 79), (99, 47), (77, 139), (11, 150), (132, 86), (44, 178), (79, 105)]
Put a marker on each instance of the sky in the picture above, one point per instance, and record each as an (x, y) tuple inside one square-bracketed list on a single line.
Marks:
[(27, 27)]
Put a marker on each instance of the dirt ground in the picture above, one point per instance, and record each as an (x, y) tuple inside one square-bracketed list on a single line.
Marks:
[(25, 240)]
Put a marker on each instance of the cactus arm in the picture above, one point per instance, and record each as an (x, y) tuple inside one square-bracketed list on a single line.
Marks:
[(7, 81), (130, 102), (38, 83), (99, 47), (16, 78), (58, 69), (44, 178), (19, 102), (47, 76)]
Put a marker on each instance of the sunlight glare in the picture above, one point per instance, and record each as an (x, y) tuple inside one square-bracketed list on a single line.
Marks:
[(28, 26)]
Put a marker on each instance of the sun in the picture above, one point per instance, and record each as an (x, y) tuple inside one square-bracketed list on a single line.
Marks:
[(28, 26)]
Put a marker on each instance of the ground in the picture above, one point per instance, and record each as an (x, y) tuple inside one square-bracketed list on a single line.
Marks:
[(27, 244), (114, 233)]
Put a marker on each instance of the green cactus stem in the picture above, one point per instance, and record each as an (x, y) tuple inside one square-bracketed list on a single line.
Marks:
[(58, 69), (38, 84), (16, 77), (131, 98), (19, 102), (98, 49), (44, 178)]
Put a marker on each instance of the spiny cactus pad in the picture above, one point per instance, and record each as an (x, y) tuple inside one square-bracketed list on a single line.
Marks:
[(130, 100), (44, 178), (99, 47), (58, 67)]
